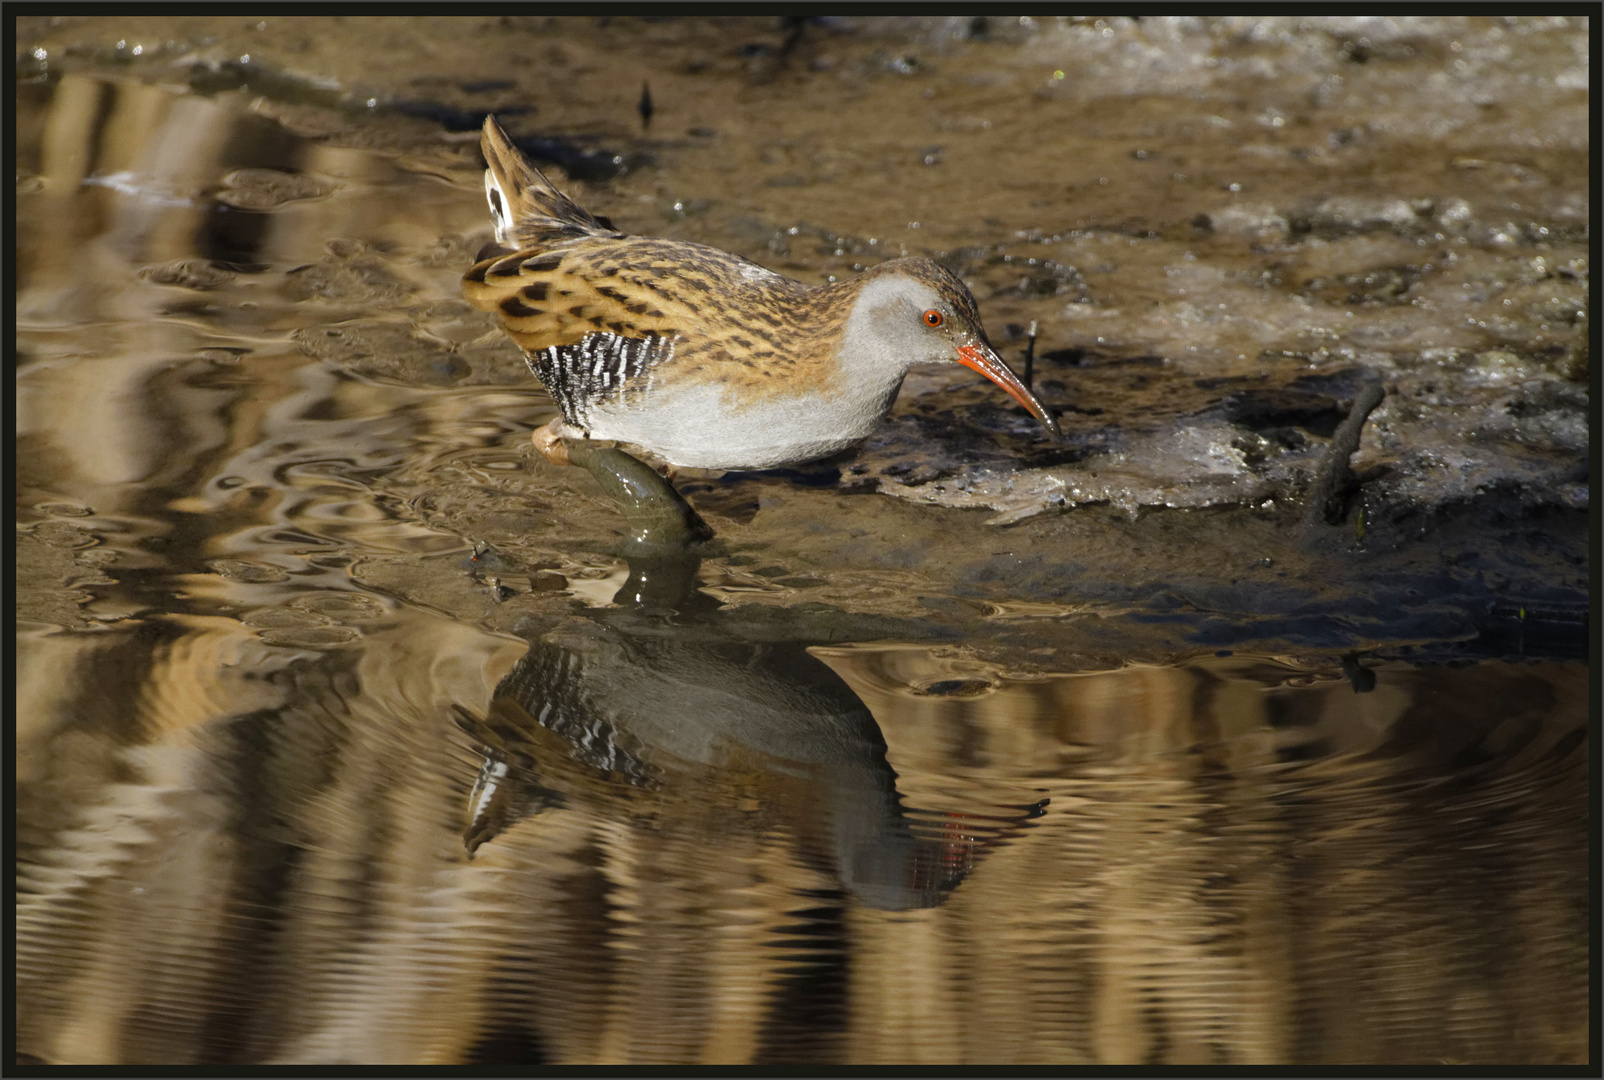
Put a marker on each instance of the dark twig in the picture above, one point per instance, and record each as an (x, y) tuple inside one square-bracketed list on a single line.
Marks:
[(1334, 478), (645, 105), (794, 26)]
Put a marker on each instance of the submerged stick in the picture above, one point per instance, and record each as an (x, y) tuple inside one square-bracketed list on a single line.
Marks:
[(658, 516)]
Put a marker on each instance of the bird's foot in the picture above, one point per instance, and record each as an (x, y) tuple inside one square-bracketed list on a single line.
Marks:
[(548, 439)]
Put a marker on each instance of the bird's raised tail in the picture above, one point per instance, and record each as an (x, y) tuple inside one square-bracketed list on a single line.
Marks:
[(526, 207)]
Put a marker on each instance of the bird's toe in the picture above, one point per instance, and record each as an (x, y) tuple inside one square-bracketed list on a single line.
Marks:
[(548, 439)]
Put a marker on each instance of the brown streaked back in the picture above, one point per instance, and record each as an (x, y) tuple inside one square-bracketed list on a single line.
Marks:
[(731, 320)]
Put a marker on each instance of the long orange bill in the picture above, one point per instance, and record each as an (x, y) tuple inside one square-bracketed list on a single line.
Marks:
[(991, 366)]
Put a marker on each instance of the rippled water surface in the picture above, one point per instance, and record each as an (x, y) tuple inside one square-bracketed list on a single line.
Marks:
[(631, 841), (347, 732)]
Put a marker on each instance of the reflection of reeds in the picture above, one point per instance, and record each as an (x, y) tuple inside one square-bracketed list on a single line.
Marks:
[(130, 179), (1228, 871)]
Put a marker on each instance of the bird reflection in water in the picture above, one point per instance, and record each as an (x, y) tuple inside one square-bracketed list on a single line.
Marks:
[(615, 707)]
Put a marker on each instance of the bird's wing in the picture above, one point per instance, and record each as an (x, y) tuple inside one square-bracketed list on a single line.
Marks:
[(559, 295), (595, 314), (590, 317)]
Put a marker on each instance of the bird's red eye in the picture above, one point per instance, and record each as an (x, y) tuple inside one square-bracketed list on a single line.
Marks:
[(934, 318)]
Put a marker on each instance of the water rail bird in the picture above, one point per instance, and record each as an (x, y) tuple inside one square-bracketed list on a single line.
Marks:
[(700, 357)]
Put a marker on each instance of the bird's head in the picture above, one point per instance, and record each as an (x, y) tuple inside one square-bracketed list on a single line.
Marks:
[(913, 311)]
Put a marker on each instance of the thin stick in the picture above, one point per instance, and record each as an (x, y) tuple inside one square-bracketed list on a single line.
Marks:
[(1324, 501), (1030, 356), (644, 107)]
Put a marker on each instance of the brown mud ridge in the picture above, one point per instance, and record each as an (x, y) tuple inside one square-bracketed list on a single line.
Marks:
[(1228, 233)]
